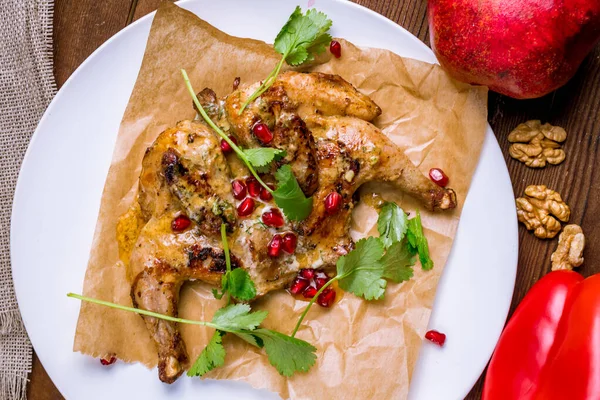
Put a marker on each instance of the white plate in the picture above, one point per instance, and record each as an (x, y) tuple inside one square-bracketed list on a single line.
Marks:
[(60, 185)]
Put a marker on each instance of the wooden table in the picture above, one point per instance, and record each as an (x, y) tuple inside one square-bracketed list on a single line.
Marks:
[(80, 26)]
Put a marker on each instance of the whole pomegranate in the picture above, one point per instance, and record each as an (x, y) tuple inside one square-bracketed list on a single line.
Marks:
[(520, 48)]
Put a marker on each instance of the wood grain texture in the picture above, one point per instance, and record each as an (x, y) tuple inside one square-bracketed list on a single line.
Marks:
[(82, 25)]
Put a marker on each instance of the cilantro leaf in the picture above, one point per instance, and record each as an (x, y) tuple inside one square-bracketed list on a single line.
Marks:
[(287, 354), (302, 36), (212, 356), (397, 262), (289, 196), (240, 285), (418, 242), (263, 156), (249, 337), (300, 33), (361, 270), (238, 316), (391, 224)]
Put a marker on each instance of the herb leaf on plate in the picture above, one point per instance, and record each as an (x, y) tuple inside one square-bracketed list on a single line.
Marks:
[(263, 156), (361, 271), (289, 196), (391, 224), (212, 356), (287, 354), (418, 242), (302, 36)]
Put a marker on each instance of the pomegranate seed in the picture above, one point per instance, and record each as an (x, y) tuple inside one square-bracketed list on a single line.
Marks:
[(226, 147), (333, 202), (265, 195), (273, 218), (321, 279), (253, 186), (180, 223), (307, 273), (298, 285), (436, 337), (310, 292), (290, 241), (326, 298), (263, 133), (111, 360), (438, 177), (246, 207), (239, 189), (274, 247), (335, 48)]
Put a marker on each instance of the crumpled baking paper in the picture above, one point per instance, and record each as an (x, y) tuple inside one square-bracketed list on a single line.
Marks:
[(365, 349)]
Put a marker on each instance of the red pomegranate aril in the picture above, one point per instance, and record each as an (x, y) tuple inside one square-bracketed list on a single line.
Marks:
[(273, 218), (321, 279), (274, 246), (436, 337), (309, 292), (307, 273), (326, 298), (262, 132), (333, 202), (180, 223), (265, 195), (438, 177), (335, 48), (239, 189), (254, 187), (109, 361), (298, 285), (290, 241), (226, 147), (246, 207)]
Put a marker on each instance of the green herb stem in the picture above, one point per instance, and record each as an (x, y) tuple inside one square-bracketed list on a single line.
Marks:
[(266, 84), (148, 313), (210, 122), (312, 301)]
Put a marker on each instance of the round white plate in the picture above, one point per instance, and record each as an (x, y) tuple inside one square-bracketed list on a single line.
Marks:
[(60, 185)]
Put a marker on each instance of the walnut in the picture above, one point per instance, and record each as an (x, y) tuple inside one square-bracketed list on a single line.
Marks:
[(569, 253), (541, 209), (535, 144)]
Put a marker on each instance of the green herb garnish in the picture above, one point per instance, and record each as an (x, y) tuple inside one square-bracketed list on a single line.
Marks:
[(365, 270), (235, 283), (303, 36), (287, 354), (418, 242), (288, 195)]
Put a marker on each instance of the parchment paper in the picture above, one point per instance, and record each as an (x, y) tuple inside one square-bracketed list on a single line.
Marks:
[(365, 349)]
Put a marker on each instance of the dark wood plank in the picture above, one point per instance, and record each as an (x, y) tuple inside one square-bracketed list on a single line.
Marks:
[(144, 7), (81, 26)]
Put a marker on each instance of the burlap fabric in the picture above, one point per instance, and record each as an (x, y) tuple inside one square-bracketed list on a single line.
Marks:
[(26, 87)]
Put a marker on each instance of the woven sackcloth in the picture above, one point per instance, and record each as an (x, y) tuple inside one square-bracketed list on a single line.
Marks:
[(26, 87)]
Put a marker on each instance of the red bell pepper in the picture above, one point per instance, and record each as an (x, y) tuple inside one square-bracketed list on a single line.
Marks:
[(550, 348)]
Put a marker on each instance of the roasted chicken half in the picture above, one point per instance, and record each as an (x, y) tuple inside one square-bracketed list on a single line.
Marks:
[(171, 233)]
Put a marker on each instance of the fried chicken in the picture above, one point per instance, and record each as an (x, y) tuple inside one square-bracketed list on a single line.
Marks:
[(323, 124)]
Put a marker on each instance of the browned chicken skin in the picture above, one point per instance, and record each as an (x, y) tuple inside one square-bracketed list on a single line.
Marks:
[(322, 123)]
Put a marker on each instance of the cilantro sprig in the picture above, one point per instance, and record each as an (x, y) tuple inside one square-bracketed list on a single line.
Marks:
[(287, 354), (302, 36), (234, 283), (374, 261), (288, 195)]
